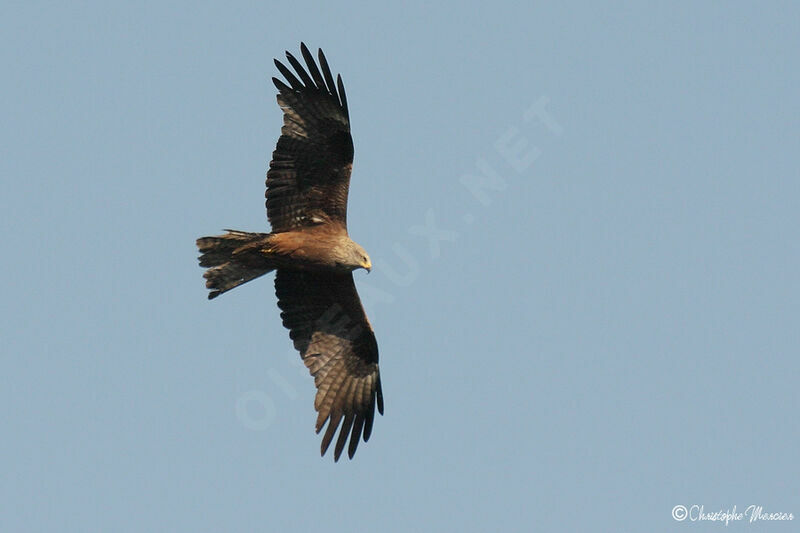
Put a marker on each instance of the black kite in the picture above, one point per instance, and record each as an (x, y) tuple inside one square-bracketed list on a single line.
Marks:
[(310, 251)]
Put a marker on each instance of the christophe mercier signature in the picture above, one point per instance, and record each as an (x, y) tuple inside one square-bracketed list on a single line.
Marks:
[(752, 513)]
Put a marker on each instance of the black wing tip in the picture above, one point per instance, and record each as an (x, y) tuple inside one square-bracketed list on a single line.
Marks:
[(355, 435), (379, 397), (279, 84), (342, 95), (354, 428), (304, 50), (337, 452), (325, 83)]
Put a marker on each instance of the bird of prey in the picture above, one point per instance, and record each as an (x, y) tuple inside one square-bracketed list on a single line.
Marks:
[(311, 253)]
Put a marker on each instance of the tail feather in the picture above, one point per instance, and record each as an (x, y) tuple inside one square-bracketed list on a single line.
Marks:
[(229, 263)]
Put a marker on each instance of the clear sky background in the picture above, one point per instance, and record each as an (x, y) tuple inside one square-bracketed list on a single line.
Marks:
[(583, 222)]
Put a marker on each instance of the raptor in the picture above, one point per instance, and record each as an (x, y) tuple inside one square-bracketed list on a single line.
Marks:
[(311, 252)]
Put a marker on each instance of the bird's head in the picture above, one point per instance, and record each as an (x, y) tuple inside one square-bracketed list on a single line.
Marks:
[(363, 259), (359, 258)]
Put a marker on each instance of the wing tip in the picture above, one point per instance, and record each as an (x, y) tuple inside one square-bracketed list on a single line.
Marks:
[(279, 84), (379, 396), (312, 78)]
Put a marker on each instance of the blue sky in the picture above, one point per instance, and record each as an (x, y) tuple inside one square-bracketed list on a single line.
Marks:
[(583, 223)]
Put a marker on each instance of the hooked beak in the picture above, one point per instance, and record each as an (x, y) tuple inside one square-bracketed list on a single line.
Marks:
[(368, 266)]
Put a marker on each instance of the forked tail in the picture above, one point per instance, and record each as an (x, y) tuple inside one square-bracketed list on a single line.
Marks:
[(232, 259)]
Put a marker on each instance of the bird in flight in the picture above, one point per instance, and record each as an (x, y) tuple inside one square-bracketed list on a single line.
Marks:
[(311, 253)]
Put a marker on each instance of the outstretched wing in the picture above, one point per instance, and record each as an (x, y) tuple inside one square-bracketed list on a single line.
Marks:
[(309, 173), (330, 329)]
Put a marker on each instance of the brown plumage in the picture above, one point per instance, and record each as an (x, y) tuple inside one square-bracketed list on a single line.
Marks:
[(307, 185)]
